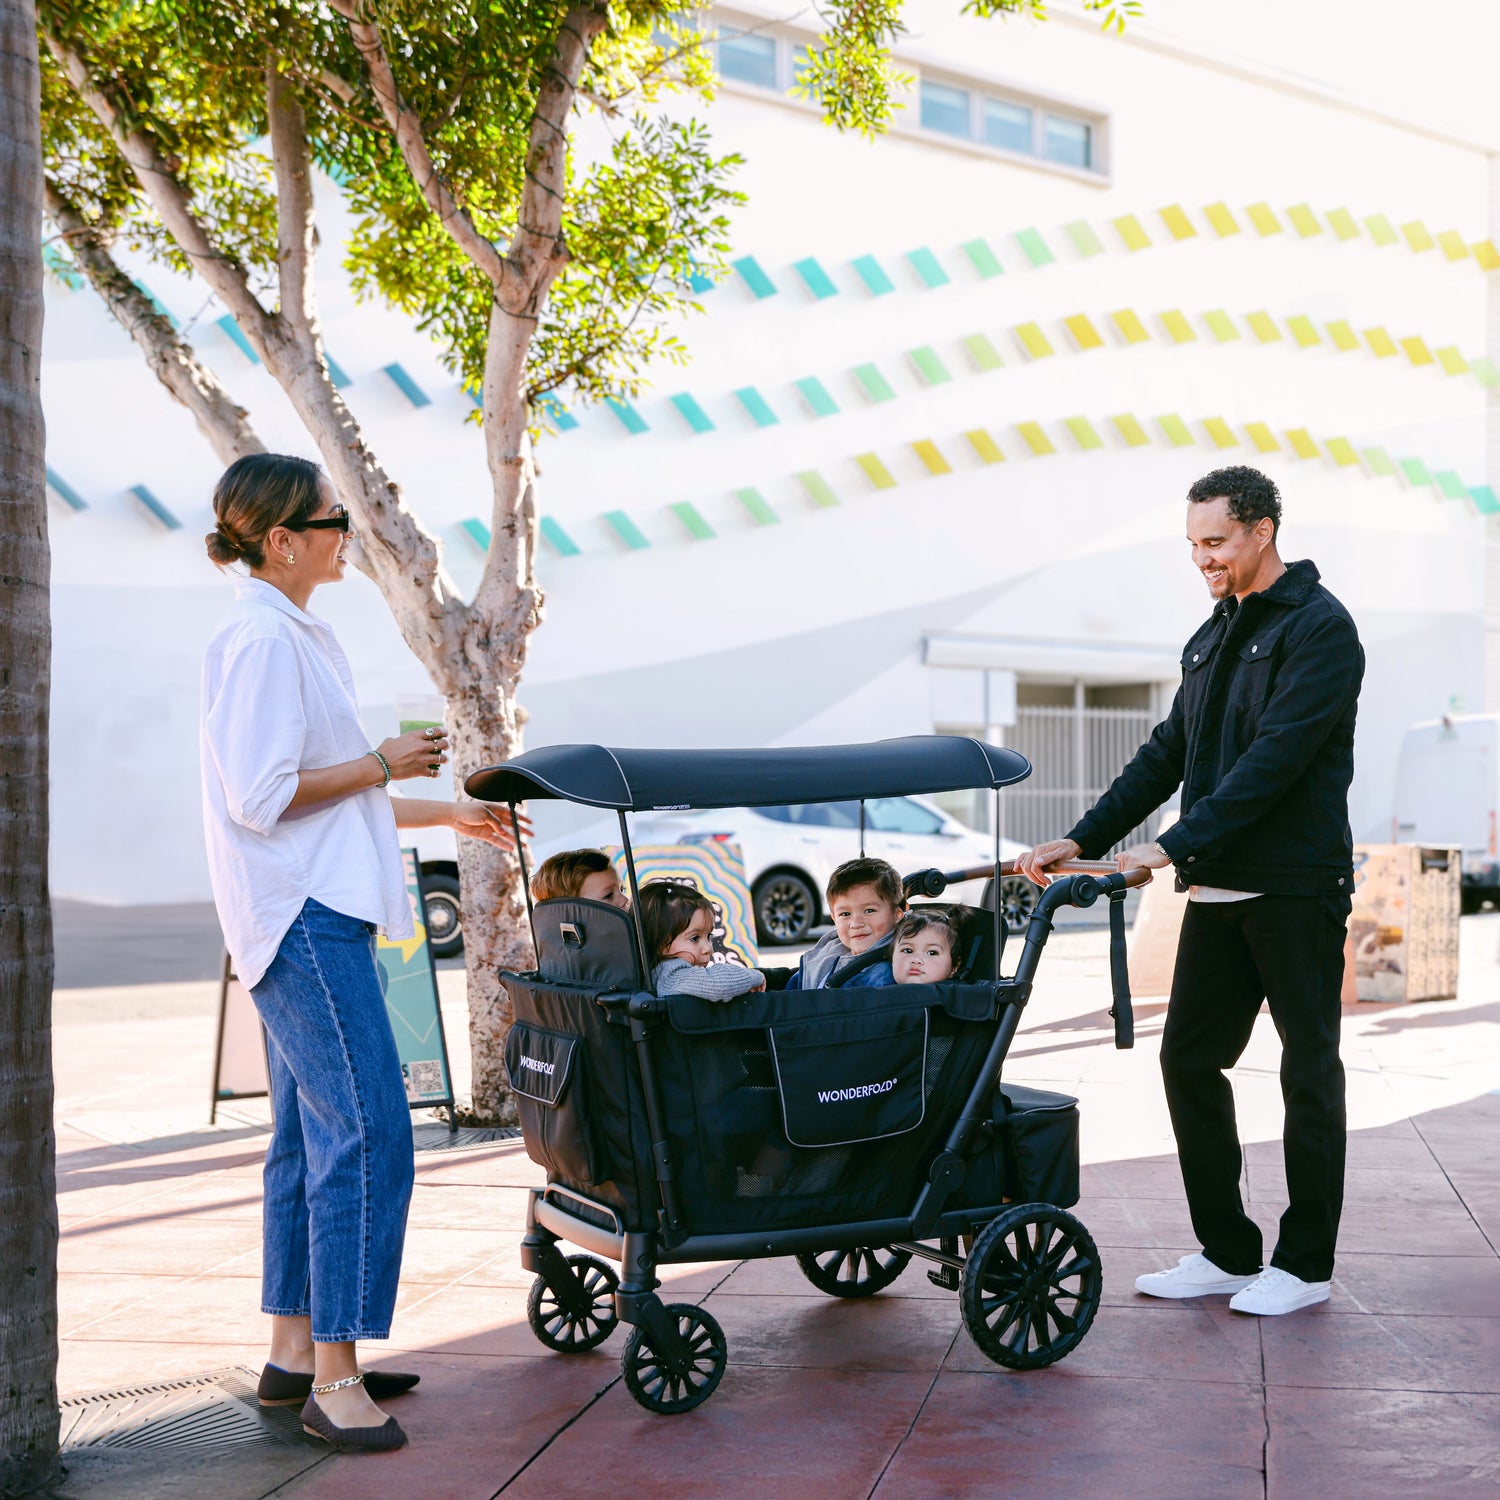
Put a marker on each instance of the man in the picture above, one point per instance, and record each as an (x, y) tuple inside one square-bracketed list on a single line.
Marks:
[(1261, 740)]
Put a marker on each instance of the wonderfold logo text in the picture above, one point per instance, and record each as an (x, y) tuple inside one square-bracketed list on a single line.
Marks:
[(860, 1091)]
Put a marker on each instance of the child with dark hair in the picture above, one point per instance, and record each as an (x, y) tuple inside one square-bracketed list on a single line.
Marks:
[(679, 921), (926, 946), (865, 900), (588, 874)]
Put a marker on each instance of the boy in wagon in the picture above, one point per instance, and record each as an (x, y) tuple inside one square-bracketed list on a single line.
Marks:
[(866, 901)]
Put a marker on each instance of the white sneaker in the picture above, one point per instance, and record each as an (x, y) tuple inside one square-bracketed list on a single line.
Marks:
[(1193, 1276), (1276, 1291)]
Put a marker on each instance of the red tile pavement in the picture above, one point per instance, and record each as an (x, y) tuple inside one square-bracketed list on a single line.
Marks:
[(1391, 1389)]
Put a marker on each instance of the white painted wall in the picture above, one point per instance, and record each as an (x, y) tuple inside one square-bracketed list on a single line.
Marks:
[(811, 629)]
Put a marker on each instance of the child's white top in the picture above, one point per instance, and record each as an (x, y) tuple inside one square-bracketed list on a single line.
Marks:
[(278, 698)]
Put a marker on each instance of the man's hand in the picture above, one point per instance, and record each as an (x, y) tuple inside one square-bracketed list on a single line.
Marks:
[(478, 820), (1034, 862), (1143, 857)]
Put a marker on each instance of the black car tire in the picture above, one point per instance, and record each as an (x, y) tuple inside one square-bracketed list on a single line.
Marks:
[(786, 907), (443, 915), (1018, 898)]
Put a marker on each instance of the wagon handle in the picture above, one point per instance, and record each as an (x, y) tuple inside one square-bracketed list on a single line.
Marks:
[(934, 882)]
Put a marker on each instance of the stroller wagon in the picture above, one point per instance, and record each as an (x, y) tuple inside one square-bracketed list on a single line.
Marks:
[(851, 1128)]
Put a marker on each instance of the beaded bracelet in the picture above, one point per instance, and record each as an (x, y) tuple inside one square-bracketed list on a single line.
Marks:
[(385, 766)]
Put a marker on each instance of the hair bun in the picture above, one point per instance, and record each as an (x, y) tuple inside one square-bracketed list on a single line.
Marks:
[(222, 547)]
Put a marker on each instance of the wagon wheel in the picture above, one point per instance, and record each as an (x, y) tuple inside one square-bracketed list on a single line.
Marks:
[(569, 1321), (860, 1272), (667, 1388), (1030, 1286)]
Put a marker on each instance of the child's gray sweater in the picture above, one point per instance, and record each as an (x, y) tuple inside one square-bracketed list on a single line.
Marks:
[(709, 982)]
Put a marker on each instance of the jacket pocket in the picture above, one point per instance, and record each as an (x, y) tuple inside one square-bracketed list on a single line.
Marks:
[(545, 1069), (1253, 674)]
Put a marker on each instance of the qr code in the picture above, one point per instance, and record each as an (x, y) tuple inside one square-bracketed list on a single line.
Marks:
[(424, 1080)]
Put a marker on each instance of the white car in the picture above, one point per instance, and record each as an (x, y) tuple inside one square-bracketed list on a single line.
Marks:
[(790, 852)]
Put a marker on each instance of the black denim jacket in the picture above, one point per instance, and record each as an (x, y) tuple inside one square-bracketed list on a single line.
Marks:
[(1261, 740)]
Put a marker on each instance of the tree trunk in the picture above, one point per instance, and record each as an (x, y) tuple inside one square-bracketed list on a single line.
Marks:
[(28, 1184)]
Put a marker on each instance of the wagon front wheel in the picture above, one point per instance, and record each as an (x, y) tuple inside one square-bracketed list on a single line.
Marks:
[(670, 1384), (1030, 1286), (574, 1319), (859, 1272)]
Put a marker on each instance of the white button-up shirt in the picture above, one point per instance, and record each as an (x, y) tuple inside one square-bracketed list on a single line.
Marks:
[(278, 698)]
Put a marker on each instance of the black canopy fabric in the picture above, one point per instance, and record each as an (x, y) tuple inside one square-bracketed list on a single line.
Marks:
[(658, 780)]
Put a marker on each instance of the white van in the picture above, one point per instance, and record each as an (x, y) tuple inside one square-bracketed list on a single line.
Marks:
[(1448, 795)]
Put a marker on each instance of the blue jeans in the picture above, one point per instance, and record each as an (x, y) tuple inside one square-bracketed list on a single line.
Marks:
[(339, 1168)]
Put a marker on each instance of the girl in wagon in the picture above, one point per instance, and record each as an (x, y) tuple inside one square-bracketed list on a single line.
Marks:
[(679, 921)]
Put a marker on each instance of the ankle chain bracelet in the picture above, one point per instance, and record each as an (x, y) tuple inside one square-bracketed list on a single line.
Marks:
[(338, 1385)]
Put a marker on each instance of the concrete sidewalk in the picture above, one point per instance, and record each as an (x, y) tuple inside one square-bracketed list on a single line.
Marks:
[(1391, 1389)]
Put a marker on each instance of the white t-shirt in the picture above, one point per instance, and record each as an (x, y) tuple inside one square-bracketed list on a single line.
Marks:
[(278, 698)]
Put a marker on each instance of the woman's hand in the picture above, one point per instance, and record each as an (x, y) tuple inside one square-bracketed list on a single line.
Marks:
[(478, 820), (422, 752), (1033, 864)]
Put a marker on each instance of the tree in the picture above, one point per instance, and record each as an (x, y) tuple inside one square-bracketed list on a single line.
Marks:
[(538, 262), (28, 1148), (450, 125)]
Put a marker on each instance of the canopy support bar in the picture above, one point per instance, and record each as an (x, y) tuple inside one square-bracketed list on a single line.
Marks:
[(515, 824), (635, 901)]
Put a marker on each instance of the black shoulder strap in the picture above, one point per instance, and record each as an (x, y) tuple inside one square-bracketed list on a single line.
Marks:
[(1119, 974)]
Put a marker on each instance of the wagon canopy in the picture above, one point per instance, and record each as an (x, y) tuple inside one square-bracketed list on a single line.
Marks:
[(657, 780)]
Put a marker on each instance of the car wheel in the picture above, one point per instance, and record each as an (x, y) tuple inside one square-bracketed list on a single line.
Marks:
[(1017, 901), (786, 907), (444, 915)]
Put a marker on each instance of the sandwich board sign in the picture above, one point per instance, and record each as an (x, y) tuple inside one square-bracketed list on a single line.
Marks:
[(411, 1002)]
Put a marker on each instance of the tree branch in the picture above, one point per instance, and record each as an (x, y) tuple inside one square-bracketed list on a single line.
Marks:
[(170, 357), (538, 250), (411, 139), (296, 234), (171, 200)]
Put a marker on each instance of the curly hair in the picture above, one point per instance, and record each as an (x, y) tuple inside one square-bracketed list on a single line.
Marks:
[(1249, 493)]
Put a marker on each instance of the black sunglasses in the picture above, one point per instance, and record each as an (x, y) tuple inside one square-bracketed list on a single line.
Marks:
[(338, 521)]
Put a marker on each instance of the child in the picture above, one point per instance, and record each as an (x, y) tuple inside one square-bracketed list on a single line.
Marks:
[(866, 901), (585, 873), (679, 923), (925, 948)]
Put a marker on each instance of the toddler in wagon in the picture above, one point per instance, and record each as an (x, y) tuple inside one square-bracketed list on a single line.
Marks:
[(926, 946), (588, 874), (866, 901), (679, 922)]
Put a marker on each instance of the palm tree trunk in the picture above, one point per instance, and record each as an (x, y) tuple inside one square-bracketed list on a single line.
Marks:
[(28, 1185)]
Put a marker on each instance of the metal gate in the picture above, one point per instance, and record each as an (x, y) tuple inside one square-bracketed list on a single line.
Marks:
[(1075, 753)]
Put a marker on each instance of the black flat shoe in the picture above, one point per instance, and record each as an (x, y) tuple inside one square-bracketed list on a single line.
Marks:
[(383, 1439), (280, 1387)]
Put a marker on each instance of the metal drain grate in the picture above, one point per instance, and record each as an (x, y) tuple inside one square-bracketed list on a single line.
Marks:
[(207, 1411), (440, 1138)]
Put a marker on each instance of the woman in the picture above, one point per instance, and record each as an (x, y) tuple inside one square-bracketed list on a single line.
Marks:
[(306, 868)]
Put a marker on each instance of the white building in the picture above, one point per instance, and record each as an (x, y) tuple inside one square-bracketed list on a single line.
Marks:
[(927, 467)]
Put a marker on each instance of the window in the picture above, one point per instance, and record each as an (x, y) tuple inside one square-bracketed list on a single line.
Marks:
[(814, 814), (945, 108), (1007, 125), (901, 815), (1069, 142), (748, 57)]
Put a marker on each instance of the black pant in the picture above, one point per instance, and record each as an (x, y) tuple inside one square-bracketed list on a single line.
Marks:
[(1289, 951)]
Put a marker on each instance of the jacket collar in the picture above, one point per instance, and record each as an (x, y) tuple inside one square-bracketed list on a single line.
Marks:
[(1292, 589)]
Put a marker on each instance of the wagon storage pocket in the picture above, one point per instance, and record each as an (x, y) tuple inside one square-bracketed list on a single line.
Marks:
[(851, 1078), (545, 1068)]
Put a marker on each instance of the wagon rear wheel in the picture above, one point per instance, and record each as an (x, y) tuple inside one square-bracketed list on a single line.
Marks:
[(667, 1386), (573, 1320), (1030, 1286), (860, 1272)]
